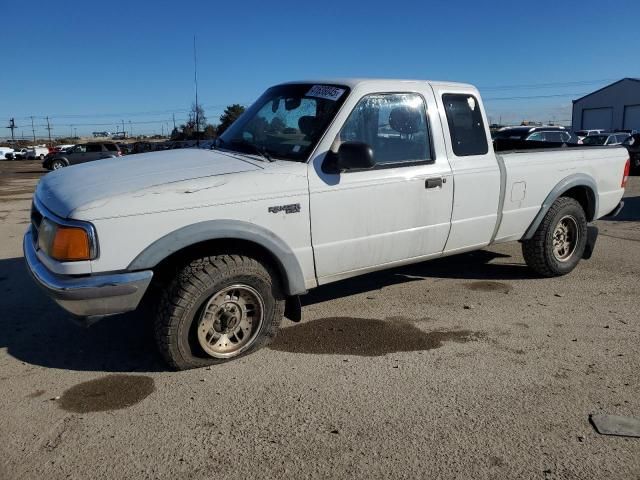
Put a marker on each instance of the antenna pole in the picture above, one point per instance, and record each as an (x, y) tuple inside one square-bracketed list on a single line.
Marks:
[(195, 81)]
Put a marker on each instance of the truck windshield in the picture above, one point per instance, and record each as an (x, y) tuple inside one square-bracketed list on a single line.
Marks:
[(286, 122)]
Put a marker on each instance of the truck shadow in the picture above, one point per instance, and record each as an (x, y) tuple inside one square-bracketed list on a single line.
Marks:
[(35, 330), (467, 266)]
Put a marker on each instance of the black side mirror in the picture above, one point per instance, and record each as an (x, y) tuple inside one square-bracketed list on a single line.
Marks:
[(355, 156)]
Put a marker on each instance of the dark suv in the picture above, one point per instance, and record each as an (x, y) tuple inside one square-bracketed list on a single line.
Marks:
[(84, 152)]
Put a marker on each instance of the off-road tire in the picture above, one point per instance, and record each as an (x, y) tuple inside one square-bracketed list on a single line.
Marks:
[(184, 297), (538, 251)]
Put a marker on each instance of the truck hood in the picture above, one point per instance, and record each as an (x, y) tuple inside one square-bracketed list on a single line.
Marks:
[(87, 186)]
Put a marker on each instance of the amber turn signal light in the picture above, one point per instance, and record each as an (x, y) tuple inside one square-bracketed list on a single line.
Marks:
[(70, 244)]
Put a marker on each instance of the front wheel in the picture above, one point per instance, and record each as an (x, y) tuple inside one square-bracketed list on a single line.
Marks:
[(558, 244), (216, 309), (57, 165)]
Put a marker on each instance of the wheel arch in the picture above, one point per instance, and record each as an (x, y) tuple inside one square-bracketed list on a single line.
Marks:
[(224, 236), (580, 187)]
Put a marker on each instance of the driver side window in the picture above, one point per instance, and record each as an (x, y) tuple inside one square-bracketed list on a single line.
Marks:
[(393, 125)]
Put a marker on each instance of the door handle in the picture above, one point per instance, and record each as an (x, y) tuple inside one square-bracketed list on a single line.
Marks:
[(434, 182)]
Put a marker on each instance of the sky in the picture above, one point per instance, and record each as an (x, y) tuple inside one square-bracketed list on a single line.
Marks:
[(90, 65)]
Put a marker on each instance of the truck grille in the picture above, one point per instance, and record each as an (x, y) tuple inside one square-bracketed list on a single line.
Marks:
[(36, 219)]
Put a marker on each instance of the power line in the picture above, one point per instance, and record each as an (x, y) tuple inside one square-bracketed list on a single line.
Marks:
[(527, 97), (548, 85)]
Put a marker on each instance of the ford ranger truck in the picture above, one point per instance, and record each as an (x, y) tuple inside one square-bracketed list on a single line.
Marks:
[(316, 182)]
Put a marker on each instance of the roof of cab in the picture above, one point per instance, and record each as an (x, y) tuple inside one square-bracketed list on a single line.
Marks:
[(379, 82)]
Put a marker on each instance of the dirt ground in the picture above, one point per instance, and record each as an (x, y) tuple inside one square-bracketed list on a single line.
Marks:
[(466, 367)]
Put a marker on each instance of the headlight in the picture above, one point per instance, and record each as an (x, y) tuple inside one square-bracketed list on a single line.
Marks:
[(65, 243)]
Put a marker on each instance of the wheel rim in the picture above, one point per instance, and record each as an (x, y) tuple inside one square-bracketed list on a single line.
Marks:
[(230, 321), (565, 238), (57, 165)]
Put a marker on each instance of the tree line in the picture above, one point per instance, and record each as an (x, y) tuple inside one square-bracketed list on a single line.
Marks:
[(197, 128)]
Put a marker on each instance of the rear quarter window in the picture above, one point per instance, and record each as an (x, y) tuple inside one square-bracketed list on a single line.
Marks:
[(466, 127), (112, 147)]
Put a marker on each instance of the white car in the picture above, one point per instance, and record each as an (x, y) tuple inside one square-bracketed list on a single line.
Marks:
[(581, 134), (354, 176), (4, 151), (605, 139)]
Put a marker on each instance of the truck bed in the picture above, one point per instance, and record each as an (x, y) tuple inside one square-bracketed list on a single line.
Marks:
[(530, 176)]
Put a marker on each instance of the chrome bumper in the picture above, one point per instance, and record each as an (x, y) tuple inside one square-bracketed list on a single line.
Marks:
[(88, 296)]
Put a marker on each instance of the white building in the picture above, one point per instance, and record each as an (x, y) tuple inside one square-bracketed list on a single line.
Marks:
[(614, 107)]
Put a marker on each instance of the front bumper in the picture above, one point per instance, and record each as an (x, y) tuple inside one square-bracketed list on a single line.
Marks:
[(88, 296)]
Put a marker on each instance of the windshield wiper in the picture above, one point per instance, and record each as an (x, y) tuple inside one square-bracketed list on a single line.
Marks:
[(260, 151)]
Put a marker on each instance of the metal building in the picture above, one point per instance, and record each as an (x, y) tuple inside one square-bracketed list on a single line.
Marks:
[(614, 107)]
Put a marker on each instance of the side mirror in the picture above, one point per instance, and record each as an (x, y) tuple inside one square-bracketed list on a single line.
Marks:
[(355, 156)]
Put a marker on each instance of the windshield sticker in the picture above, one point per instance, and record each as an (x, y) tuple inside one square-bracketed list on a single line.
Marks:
[(325, 91), (295, 149)]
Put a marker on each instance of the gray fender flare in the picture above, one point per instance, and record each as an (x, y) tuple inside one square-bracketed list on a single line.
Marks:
[(220, 229), (567, 183)]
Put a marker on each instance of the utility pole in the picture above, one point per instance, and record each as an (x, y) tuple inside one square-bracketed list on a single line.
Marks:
[(71, 130), (130, 129), (49, 130), (123, 130), (174, 121), (12, 126), (162, 129), (33, 130)]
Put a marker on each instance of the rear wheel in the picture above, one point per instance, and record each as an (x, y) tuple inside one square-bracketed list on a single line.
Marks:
[(558, 244), (216, 309)]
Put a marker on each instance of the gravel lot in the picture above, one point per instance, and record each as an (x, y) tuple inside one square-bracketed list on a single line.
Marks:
[(467, 367)]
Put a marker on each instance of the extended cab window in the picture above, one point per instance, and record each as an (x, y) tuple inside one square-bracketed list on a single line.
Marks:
[(464, 117), (393, 125)]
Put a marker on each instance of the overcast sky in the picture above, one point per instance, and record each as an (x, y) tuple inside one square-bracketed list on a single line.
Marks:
[(94, 64)]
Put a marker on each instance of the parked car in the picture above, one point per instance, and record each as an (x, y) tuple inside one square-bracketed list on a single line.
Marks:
[(4, 152), (585, 133), (524, 137), (81, 153), (633, 147), (232, 236), (605, 139), (142, 147), (125, 148), (17, 154), (33, 153)]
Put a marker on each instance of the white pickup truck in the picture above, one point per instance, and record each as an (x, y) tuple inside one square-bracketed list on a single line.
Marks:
[(38, 152), (316, 182)]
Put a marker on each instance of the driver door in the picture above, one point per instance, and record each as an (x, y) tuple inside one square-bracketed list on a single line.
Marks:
[(397, 212)]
